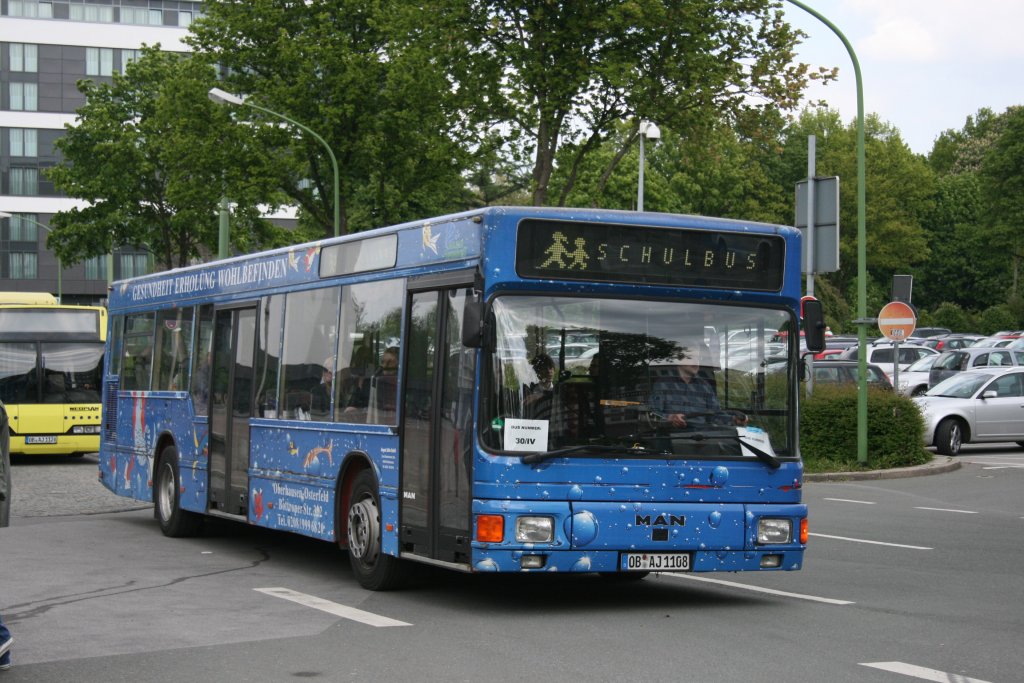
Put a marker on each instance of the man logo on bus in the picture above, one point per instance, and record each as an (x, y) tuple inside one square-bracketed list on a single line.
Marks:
[(661, 520)]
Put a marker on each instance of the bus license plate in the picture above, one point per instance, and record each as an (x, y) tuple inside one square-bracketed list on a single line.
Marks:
[(657, 562), (40, 439)]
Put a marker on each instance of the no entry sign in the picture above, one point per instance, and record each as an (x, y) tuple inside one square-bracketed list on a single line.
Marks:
[(897, 321)]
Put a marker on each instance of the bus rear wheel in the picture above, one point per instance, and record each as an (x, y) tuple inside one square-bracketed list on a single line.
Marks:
[(373, 569), (174, 521)]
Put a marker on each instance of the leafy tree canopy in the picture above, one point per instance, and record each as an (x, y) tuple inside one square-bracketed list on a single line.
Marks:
[(370, 79), (153, 157), (569, 73)]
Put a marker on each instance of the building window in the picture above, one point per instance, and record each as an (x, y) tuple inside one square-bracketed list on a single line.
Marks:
[(99, 61), (24, 96), (24, 57), (184, 19), (96, 268), (142, 16), (23, 265), (22, 227), (104, 14), (24, 142), (133, 265), (24, 182), (35, 9), (129, 56)]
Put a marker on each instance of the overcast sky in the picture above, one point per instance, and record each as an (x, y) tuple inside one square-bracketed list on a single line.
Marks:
[(926, 64)]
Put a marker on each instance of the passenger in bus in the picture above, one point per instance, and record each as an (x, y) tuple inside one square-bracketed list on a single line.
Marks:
[(321, 393), (354, 381), (684, 398), (538, 397), (384, 388), (201, 384)]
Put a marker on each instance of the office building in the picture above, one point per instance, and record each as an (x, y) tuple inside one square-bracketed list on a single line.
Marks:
[(46, 46)]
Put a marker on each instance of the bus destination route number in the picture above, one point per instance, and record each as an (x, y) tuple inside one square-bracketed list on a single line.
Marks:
[(656, 562), (602, 252)]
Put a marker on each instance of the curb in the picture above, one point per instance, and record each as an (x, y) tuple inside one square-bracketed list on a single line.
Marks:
[(938, 465)]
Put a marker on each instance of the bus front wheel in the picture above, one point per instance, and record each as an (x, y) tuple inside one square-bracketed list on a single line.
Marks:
[(373, 569), (174, 521)]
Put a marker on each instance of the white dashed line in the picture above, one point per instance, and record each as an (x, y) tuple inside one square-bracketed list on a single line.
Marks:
[(334, 608), (757, 589), (862, 540), (922, 672), (962, 512), (847, 500)]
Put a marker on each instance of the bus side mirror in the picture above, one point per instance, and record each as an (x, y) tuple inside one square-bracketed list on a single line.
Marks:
[(477, 323), (813, 314)]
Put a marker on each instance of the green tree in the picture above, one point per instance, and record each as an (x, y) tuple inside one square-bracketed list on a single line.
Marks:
[(568, 74), (1001, 172), (900, 190), (153, 156), (372, 78), (975, 223)]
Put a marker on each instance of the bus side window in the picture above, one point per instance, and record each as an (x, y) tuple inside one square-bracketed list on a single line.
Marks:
[(370, 337), (138, 352), (310, 338), (201, 357)]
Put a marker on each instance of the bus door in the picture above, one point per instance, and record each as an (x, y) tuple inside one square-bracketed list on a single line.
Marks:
[(437, 442), (234, 334)]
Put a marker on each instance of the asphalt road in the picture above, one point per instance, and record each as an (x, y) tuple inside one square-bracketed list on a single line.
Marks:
[(906, 579)]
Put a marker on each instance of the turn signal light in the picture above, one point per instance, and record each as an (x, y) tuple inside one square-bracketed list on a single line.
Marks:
[(803, 531), (490, 528)]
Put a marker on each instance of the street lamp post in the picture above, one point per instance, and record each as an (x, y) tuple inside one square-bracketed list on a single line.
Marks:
[(224, 97), (60, 266), (862, 291), (651, 132)]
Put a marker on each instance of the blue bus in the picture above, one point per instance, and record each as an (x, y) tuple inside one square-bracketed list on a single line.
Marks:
[(500, 390)]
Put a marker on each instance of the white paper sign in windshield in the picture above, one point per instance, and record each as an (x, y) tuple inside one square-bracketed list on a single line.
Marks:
[(756, 437), (526, 435)]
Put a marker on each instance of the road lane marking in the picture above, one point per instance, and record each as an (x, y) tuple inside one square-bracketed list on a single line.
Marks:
[(847, 500), (921, 672), (962, 512), (757, 589), (863, 540), (338, 610), (1003, 467)]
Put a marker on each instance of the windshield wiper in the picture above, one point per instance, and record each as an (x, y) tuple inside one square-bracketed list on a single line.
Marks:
[(530, 458), (761, 455)]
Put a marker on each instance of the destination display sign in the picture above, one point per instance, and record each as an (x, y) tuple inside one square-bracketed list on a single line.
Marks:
[(605, 252)]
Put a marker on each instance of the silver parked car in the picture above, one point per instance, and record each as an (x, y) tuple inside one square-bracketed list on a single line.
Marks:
[(974, 406), (951, 362)]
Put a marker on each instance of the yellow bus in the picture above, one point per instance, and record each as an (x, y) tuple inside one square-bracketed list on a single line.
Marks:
[(51, 367)]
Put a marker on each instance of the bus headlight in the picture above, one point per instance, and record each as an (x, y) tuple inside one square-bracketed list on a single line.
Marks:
[(85, 429), (774, 531), (535, 529)]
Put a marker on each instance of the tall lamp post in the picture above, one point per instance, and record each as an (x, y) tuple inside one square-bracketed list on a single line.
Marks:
[(60, 266), (651, 132), (862, 287), (223, 97)]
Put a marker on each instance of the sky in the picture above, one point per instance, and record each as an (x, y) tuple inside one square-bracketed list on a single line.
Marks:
[(926, 65)]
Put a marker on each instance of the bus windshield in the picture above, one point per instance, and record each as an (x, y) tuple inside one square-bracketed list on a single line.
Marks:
[(69, 372), (577, 372)]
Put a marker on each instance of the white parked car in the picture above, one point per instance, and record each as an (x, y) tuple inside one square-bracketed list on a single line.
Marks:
[(974, 406), (914, 380), (883, 355)]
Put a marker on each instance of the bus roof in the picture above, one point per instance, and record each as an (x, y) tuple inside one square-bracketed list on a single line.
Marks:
[(455, 240), (28, 298)]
